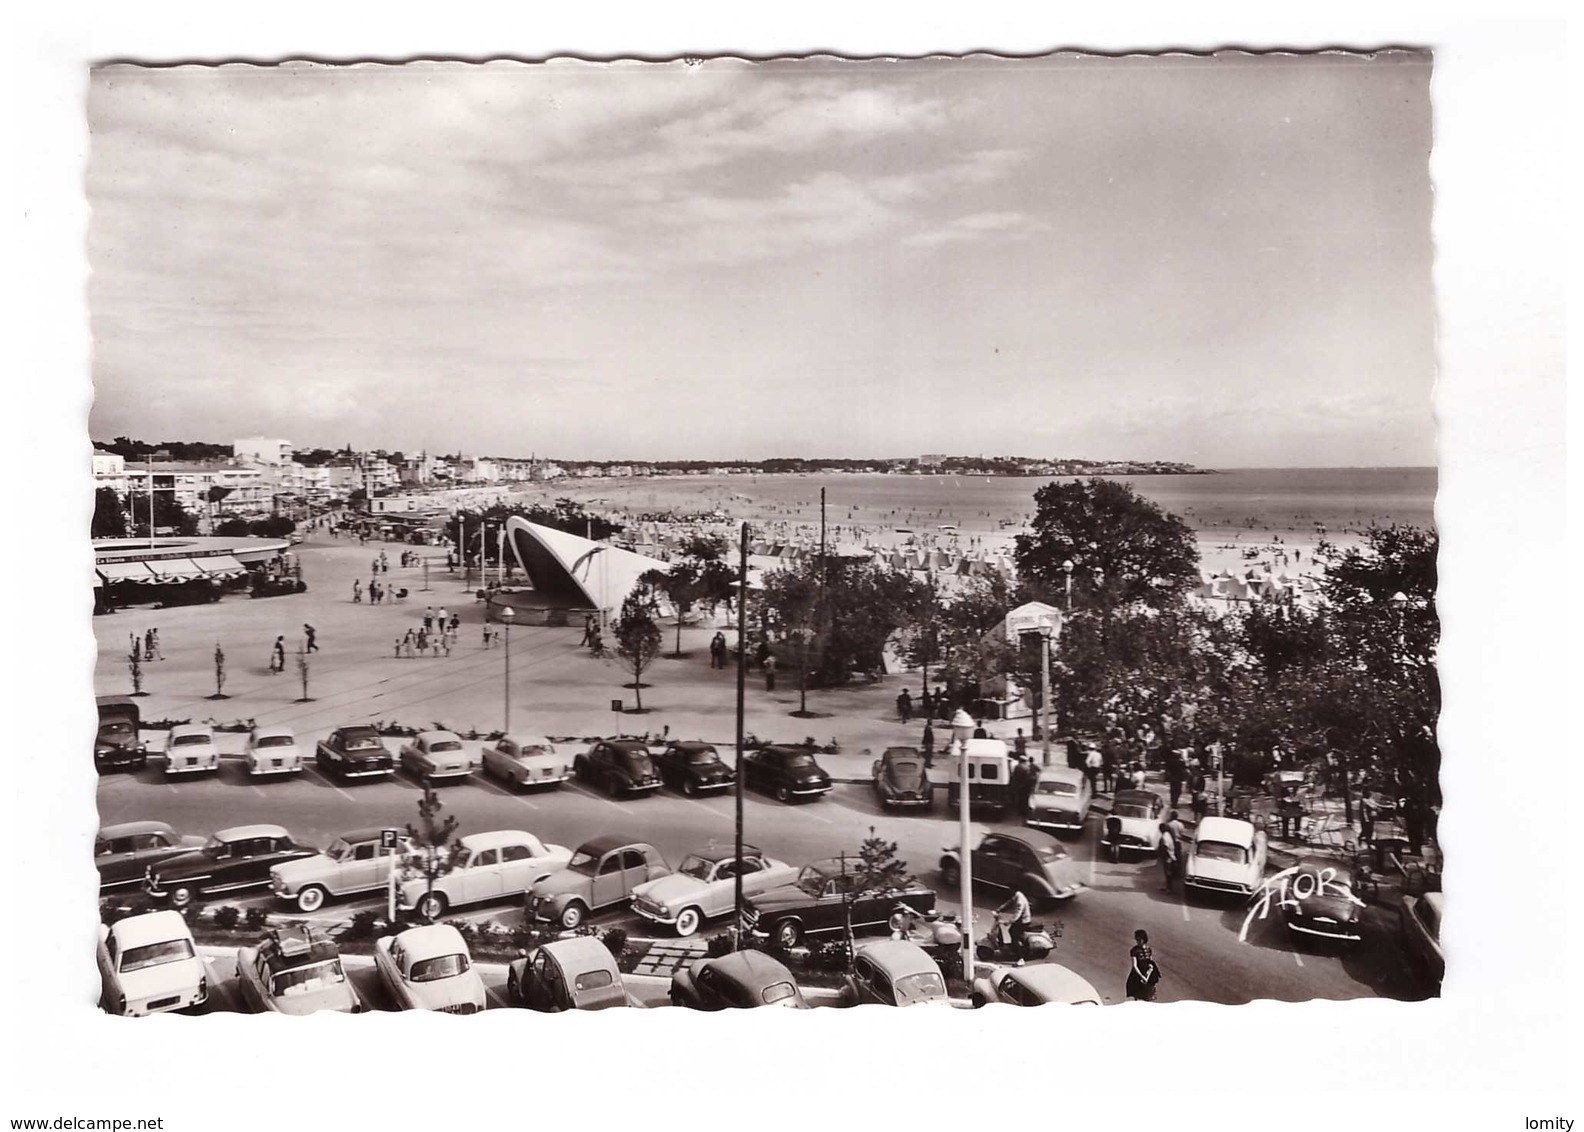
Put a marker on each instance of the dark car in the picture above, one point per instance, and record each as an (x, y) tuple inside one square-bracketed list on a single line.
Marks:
[(579, 973), (232, 859), (124, 852), (694, 768), (117, 746), (1321, 903), (901, 780), (1030, 862), (354, 752), (823, 898), (787, 772), (620, 767), (740, 980)]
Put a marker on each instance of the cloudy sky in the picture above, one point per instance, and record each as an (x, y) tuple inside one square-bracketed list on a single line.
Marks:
[(1220, 261)]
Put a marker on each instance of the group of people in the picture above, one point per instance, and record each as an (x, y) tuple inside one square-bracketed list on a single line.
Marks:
[(277, 663), (376, 592), (146, 647), (437, 632), (929, 705)]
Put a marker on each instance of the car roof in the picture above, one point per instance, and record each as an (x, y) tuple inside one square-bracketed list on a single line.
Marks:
[(372, 833), (1051, 981), (427, 735), (237, 832), (752, 968), (693, 745), (1034, 838), (898, 957), (273, 729), (582, 953), (129, 828), (1145, 797), (1230, 830), (192, 729), (902, 752), (432, 939), (151, 927), (1060, 774), (494, 838), (987, 748), (729, 851), (627, 744), (598, 846), (358, 729)]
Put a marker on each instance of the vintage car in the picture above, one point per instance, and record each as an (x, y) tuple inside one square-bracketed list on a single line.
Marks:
[(118, 745), (601, 874), (578, 973), (273, 750), (1026, 861), (354, 752), (526, 760), (1227, 855), (1060, 800), (989, 765), (190, 749), (705, 886), (1318, 901), (1134, 823), (1420, 922), (739, 980), (1034, 985), (434, 756), (240, 857), (821, 900), (901, 780), (500, 865), (894, 972), (693, 768), (621, 767), (148, 964), (124, 852), (295, 972), (790, 773), (355, 862), (430, 968)]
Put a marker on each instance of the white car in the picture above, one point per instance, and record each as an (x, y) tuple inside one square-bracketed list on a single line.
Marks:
[(148, 964), (705, 886), (499, 865), (434, 755), (354, 862), (1034, 985), (190, 749), (1227, 855), (429, 968), (273, 750), (526, 760)]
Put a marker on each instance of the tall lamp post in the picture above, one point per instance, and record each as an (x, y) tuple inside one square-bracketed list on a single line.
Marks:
[(962, 725), (1067, 568), (507, 614)]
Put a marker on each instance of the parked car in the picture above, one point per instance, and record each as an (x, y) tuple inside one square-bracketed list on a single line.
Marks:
[(190, 749), (601, 874), (787, 772), (499, 865), (693, 768), (295, 972), (621, 767), (821, 900), (900, 779), (742, 979), (1134, 823), (124, 852), (148, 964), (354, 862), (705, 886), (432, 756), (1320, 902), (1060, 800), (354, 752), (526, 760), (1419, 919), (578, 973), (1227, 855), (430, 968), (894, 972), (1026, 861), (235, 858), (273, 750), (118, 746), (1034, 985)]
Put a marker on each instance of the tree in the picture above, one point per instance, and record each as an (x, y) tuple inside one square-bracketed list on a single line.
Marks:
[(680, 584), (438, 850), (716, 580), (637, 638), (302, 674), (168, 514), (135, 668), (220, 674), (109, 520), (1123, 548), (792, 597)]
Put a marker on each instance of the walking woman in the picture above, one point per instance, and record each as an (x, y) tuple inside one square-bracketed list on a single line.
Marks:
[(1144, 974)]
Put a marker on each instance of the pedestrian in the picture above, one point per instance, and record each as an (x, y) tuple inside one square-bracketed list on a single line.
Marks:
[(769, 667), (441, 617), (398, 648), (717, 650), (487, 634), (357, 592), (428, 618), (1093, 761), (1143, 973), (445, 643), (1168, 855), (308, 631), (588, 631), (456, 623), (151, 645), (423, 642), (376, 592), (278, 657), (979, 730), (1175, 774), (1020, 745), (1179, 832), (1201, 799), (928, 742), (408, 642), (904, 704)]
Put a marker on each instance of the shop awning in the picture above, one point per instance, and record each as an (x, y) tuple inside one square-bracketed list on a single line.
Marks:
[(222, 566), (177, 569), (124, 572)]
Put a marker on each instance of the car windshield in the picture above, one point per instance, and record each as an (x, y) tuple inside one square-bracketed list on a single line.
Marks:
[(583, 862), (338, 850), (800, 762), (1221, 851), (775, 992), (1050, 852), (215, 847), (154, 954), (535, 749), (189, 740), (275, 741), (306, 980), (636, 761), (702, 756), (812, 881), (440, 967), (119, 730), (1131, 810), (446, 745), (924, 984), (699, 868), (1066, 788)]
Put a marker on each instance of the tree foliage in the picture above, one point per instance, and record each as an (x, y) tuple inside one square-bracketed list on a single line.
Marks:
[(168, 514), (109, 517), (434, 838), (637, 638)]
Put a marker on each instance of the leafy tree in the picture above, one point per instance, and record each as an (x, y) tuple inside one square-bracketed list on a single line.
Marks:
[(438, 850), (680, 584), (168, 513), (109, 520), (1123, 548), (220, 673), (637, 638), (792, 598), (716, 579)]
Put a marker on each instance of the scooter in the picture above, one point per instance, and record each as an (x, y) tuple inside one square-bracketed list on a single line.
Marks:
[(993, 948), (940, 937)]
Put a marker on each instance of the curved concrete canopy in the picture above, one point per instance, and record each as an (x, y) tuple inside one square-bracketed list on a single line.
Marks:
[(574, 572)]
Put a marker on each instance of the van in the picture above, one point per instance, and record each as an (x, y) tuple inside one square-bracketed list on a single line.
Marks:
[(989, 775)]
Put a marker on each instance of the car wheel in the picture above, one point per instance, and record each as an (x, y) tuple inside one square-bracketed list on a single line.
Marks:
[(580, 767), (513, 992), (951, 873), (182, 895), (573, 914), (613, 786), (432, 906), (978, 1001), (688, 787), (311, 899), (687, 922), (788, 934), (783, 794)]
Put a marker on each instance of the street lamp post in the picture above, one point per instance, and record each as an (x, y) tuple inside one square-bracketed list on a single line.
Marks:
[(1045, 716), (1067, 568), (507, 613), (962, 727)]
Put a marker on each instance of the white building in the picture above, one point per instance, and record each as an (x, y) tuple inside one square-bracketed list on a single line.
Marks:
[(263, 450)]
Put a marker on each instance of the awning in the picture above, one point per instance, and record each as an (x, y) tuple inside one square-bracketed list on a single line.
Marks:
[(222, 566), (177, 569), (124, 572)]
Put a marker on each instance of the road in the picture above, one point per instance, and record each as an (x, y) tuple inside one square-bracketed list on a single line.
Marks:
[(1195, 941)]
